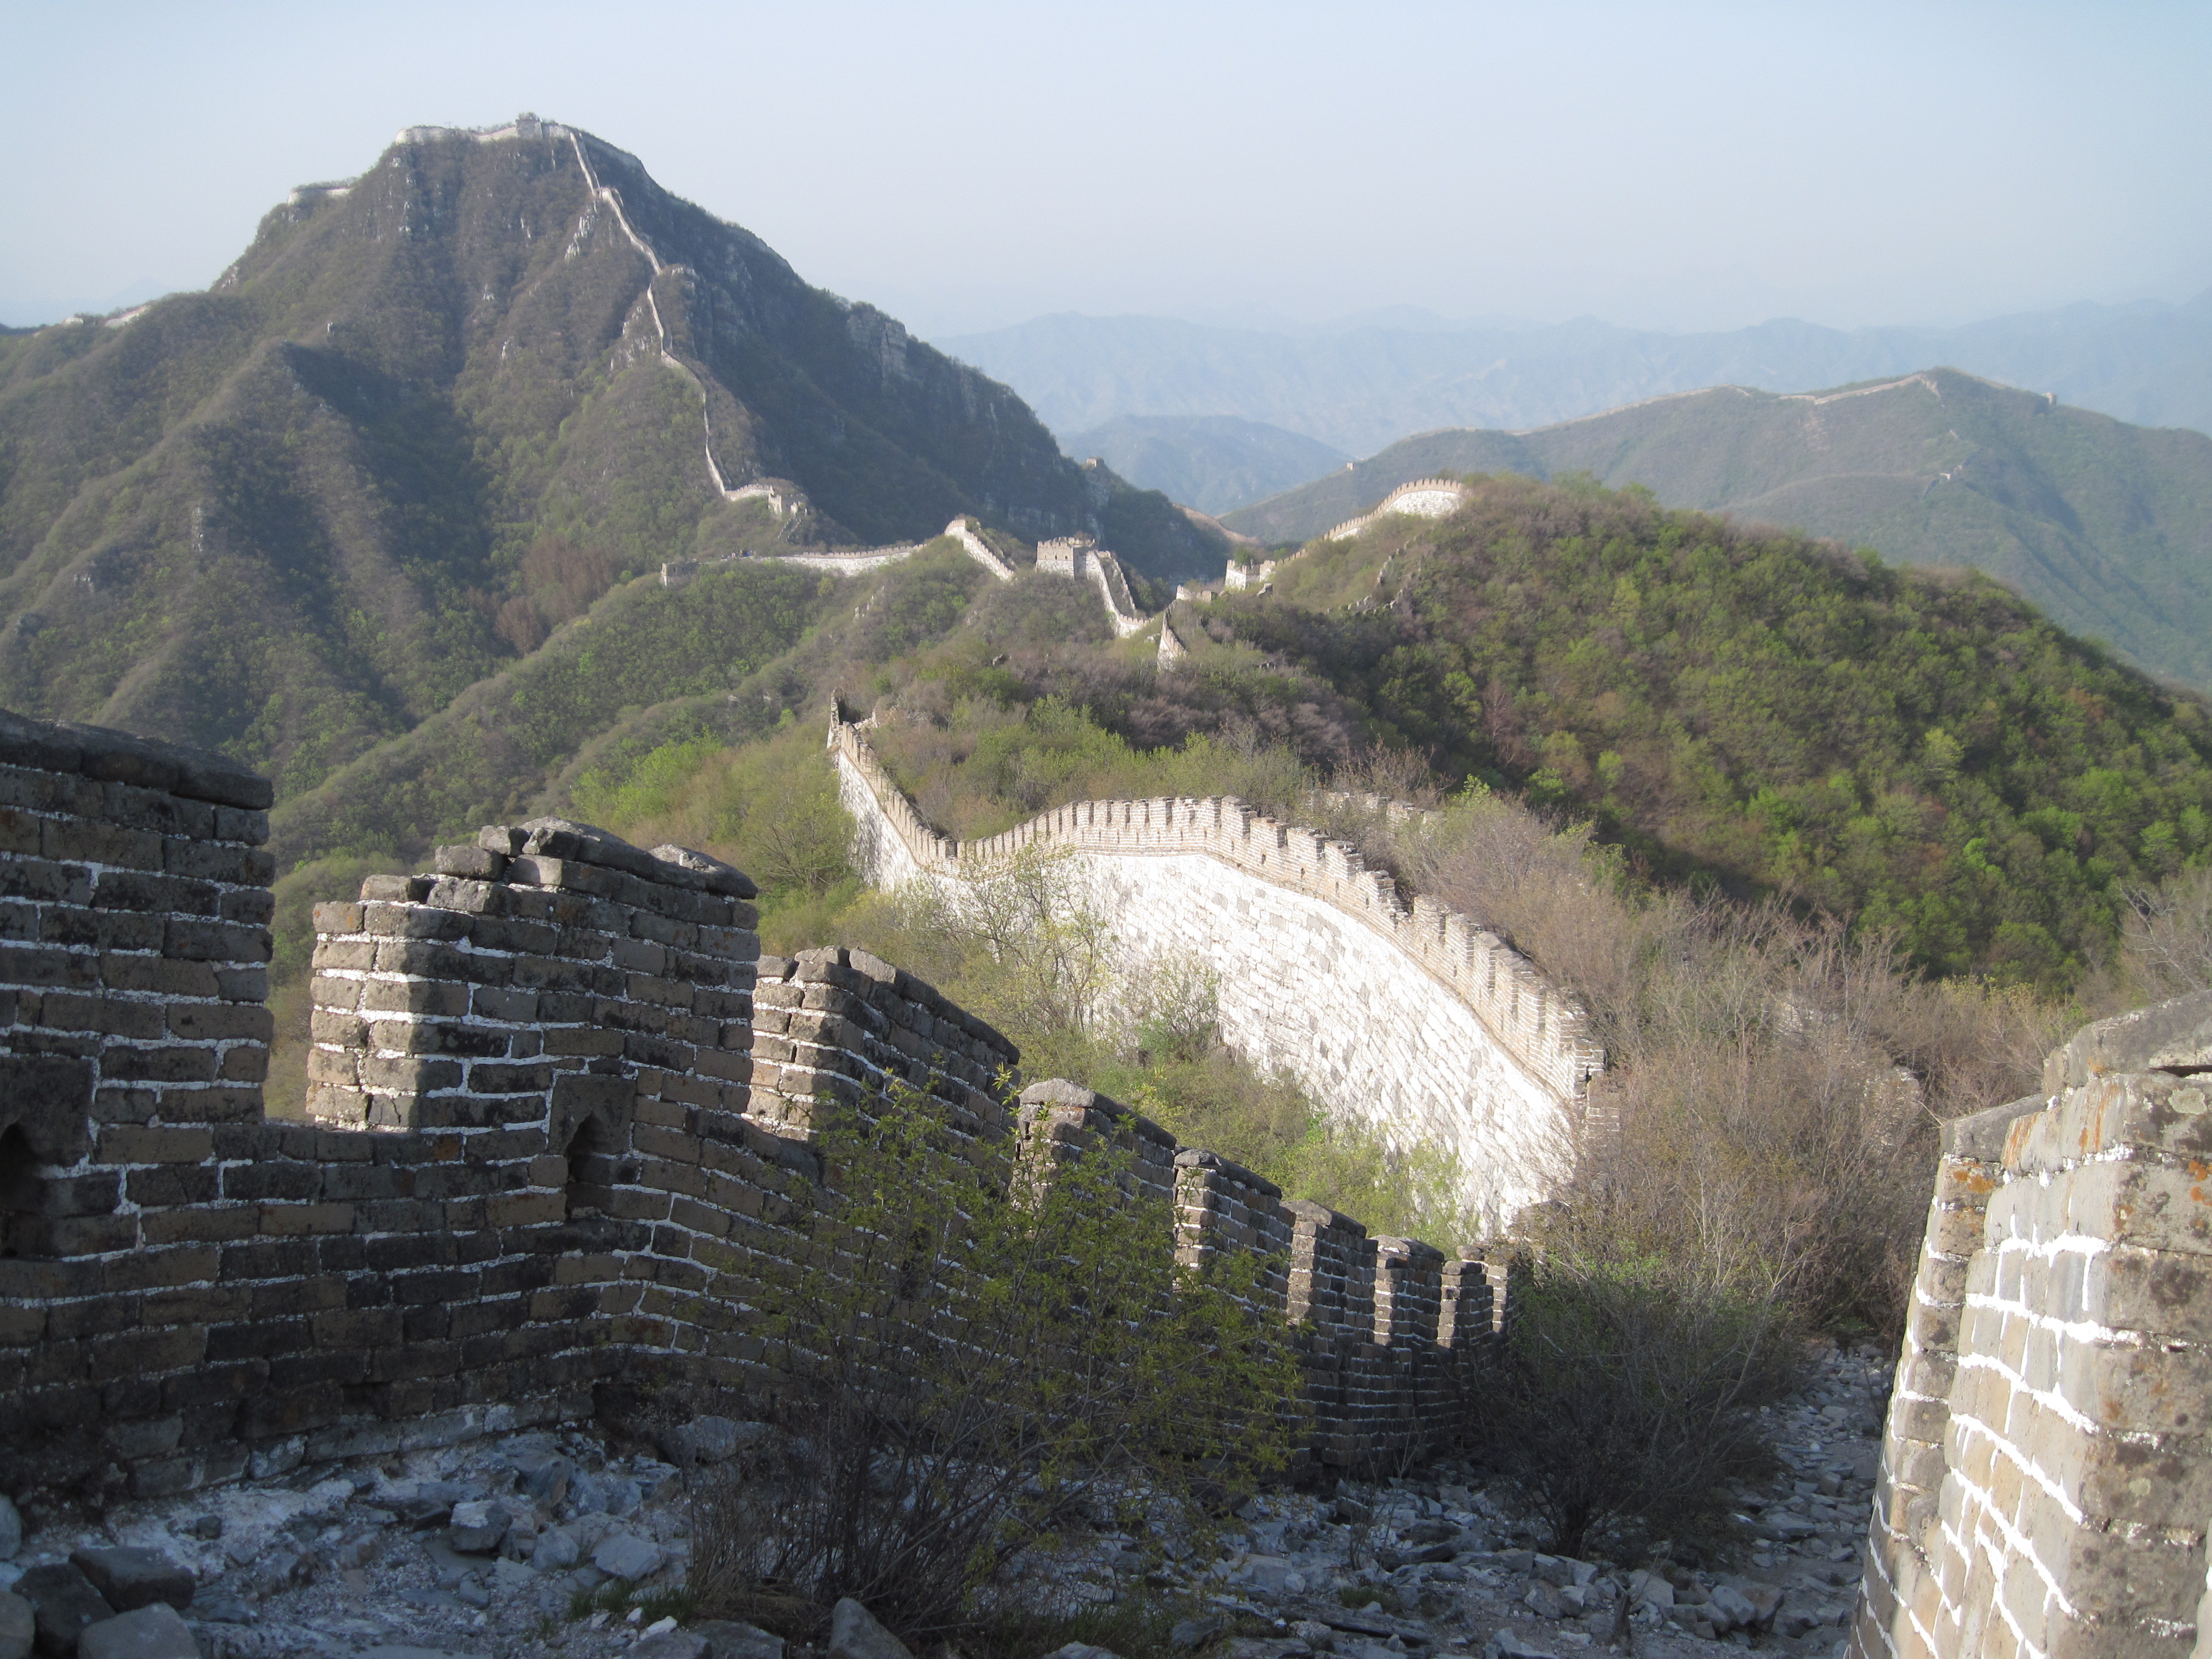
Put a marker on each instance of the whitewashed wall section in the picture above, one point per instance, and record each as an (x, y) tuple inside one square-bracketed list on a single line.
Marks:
[(1414, 1021)]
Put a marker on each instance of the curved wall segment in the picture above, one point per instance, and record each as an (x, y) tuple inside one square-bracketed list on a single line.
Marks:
[(1413, 1020)]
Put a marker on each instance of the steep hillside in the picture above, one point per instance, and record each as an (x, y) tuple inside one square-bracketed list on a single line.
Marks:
[(2106, 526), (430, 414), (1917, 749), (1216, 463), (1366, 384)]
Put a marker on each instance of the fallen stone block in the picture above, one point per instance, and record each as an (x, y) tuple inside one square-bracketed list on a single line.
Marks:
[(703, 1440), (129, 1578), (156, 1630), (477, 1528), (1729, 1609), (64, 1603)]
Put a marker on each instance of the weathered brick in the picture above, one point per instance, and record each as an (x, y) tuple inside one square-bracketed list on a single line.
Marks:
[(215, 941)]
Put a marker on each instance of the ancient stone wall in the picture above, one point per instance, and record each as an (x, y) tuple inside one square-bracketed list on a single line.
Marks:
[(2047, 1482), (1411, 1018), (1424, 498), (561, 1115), (847, 562)]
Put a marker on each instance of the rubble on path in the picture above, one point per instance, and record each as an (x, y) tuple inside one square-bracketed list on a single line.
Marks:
[(561, 1546)]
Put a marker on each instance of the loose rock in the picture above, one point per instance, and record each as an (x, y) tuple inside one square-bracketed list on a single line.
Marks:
[(477, 1528), (556, 1551), (18, 1626), (672, 1644), (11, 1530), (854, 1634), (64, 1603), (625, 1555), (128, 1579), (703, 1440), (156, 1631), (727, 1638)]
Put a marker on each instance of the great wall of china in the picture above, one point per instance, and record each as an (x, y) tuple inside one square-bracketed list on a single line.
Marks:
[(559, 1100), (1409, 1018), (1424, 498)]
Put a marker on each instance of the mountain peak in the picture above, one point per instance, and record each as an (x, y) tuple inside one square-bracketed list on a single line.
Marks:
[(434, 411)]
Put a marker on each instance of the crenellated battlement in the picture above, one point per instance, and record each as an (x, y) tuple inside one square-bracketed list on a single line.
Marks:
[(1411, 1018), (1424, 498), (562, 1126), (1543, 1028)]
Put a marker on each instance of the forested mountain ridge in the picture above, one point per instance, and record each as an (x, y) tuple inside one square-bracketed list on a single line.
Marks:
[(2107, 526), (432, 413), (1920, 750)]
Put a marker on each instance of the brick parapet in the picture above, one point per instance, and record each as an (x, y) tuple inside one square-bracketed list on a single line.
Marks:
[(564, 1119), (2046, 1481), (134, 940)]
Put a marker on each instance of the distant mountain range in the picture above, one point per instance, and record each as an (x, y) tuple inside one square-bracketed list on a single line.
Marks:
[(2106, 525), (1359, 388), (1212, 462), (435, 411)]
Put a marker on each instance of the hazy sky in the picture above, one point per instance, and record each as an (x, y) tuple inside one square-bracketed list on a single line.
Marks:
[(1692, 165)]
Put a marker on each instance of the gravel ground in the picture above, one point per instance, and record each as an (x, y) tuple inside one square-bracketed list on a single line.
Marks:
[(482, 1551)]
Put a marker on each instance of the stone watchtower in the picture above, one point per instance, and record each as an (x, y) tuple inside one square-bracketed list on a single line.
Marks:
[(1068, 556)]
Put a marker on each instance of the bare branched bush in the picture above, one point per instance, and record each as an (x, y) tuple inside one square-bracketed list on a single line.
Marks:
[(1627, 1394), (980, 1339), (2166, 946), (1773, 1083)]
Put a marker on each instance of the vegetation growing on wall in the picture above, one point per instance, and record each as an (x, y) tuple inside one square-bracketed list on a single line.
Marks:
[(1066, 1367)]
